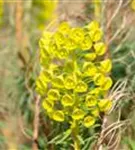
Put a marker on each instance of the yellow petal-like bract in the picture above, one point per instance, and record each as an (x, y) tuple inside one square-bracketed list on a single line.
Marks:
[(90, 101), (105, 105), (90, 56), (48, 105), (86, 44), (64, 28), (78, 114), (95, 112), (59, 38), (67, 100), (100, 48), (106, 66), (77, 34), (45, 40), (95, 91), (69, 82), (93, 25), (53, 94), (62, 53), (96, 35), (81, 87), (58, 116), (41, 86), (70, 44), (89, 69), (107, 83), (58, 82), (99, 79), (89, 121)]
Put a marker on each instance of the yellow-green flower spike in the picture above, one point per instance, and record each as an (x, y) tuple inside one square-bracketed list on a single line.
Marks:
[(48, 105), (58, 116), (78, 114), (90, 101), (53, 94), (89, 121), (106, 65), (74, 78), (81, 87), (67, 100), (105, 105), (100, 48)]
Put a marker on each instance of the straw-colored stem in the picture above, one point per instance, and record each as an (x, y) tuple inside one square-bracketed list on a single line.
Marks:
[(97, 9)]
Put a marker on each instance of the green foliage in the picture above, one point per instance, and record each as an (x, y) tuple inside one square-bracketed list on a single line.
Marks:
[(130, 143)]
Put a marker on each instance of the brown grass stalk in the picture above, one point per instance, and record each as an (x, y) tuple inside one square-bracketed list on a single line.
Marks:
[(36, 123)]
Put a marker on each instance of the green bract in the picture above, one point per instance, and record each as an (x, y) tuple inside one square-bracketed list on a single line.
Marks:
[(74, 76)]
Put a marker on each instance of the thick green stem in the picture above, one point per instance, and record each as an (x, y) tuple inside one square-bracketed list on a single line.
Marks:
[(76, 144), (75, 138)]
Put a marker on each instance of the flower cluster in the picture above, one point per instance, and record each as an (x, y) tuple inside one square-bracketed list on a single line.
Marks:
[(133, 4), (74, 77), (1, 11), (43, 11)]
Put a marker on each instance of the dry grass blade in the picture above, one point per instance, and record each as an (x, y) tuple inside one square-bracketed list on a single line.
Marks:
[(115, 143), (122, 123), (118, 92), (115, 13), (112, 137), (110, 129), (36, 123), (122, 41), (118, 31), (23, 129), (118, 85)]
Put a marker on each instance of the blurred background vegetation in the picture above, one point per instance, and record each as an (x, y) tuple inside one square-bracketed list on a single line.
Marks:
[(21, 26)]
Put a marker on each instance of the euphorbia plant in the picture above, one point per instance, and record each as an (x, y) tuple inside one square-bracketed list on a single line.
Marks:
[(74, 81)]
